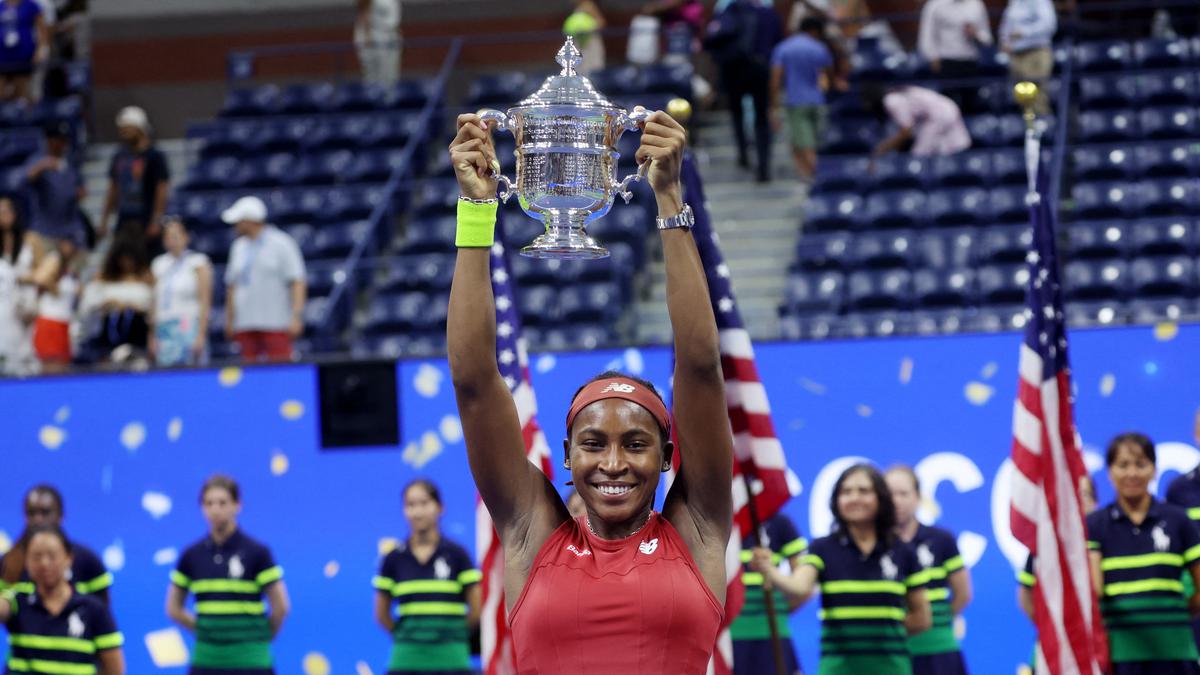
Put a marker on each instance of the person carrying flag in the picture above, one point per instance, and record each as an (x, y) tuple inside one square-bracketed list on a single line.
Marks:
[(753, 651)]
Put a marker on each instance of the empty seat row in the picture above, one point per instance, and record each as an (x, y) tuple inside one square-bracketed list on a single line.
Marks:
[(1152, 160), (505, 89), (202, 210), (974, 168), (298, 99), (1145, 89), (253, 137), (916, 208), (1163, 122), (287, 169)]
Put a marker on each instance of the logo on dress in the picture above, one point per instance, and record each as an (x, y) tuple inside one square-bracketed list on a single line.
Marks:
[(440, 569), (577, 552), (1161, 541), (648, 547), (890, 571), (236, 569), (75, 625), (925, 556), (619, 387)]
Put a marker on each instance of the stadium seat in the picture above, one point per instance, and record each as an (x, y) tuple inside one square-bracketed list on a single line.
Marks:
[(944, 288), (323, 278), (1104, 200), (896, 209), (214, 243), (1104, 126), (1103, 55), (965, 169), (835, 174), (1002, 284), (406, 95), (882, 249), (1007, 204), (941, 321), (1163, 276), (999, 318), (837, 211), (251, 101), (889, 289), (430, 272), (1168, 122), (820, 291), (1095, 280), (1170, 196), (1097, 239), (1161, 53), (391, 313), (984, 131), (1156, 89), (1108, 92), (1151, 310), (15, 148), (1167, 159), (539, 305), (1008, 167), (353, 97), (597, 302), (498, 89), (333, 241), (951, 249), (212, 174), (430, 235), (1163, 236), (1096, 313), (856, 138), (674, 79), (1113, 163), (900, 171), (820, 251), (436, 197), (304, 99), (1009, 244), (966, 206)]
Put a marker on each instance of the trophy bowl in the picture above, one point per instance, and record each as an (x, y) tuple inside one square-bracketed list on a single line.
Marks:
[(566, 135)]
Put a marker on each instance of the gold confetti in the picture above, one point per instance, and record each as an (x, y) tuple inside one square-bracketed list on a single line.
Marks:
[(863, 410), (387, 545), (174, 429), (133, 435), (315, 663), (1107, 384), (230, 376), (906, 370), (166, 648), (62, 415), (279, 463), (331, 569), (812, 387), (978, 393), (361, 668), (989, 370), (291, 409), (1166, 331), (52, 437)]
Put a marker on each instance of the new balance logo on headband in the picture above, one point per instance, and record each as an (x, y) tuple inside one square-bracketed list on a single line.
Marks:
[(619, 387)]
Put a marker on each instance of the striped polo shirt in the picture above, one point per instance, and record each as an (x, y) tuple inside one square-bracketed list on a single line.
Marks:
[(66, 643), (1184, 492), (87, 573), (785, 541), (431, 624), (938, 557), (863, 604), (227, 581), (1143, 606)]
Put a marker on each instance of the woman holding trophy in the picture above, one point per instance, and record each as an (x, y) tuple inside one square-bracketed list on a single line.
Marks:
[(622, 585)]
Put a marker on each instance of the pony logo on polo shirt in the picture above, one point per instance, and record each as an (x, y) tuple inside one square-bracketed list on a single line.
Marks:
[(648, 547), (441, 569), (924, 556), (236, 569), (890, 571), (619, 387), (75, 625), (1161, 540)]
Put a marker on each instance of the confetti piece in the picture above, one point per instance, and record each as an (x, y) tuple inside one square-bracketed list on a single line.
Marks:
[(989, 370), (387, 545), (331, 569), (114, 556), (427, 381), (1166, 331), (315, 663), (291, 409), (167, 648), (174, 429), (361, 668), (978, 393), (812, 387), (133, 435), (165, 556), (960, 627), (156, 504), (1107, 384), (906, 370), (52, 437), (634, 363), (5, 542), (418, 454), (451, 429), (279, 463), (546, 363), (62, 415), (796, 425), (230, 376), (863, 410)]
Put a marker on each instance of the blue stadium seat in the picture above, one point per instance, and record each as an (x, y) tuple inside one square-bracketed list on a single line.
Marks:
[(430, 235), (835, 174), (1095, 313), (941, 321), (304, 99), (251, 173), (437, 311), (951, 249), (882, 249), (1170, 196), (406, 95), (1163, 236), (214, 243), (819, 251), (1113, 163), (1009, 244), (334, 241), (984, 130), (1002, 284), (1161, 53), (1096, 280), (391, 313), (965, 206), (16, 148), (965, 169), (212, 174), (1098, 239), (944, 288), (587, 337), (1168, 122), (1008, 204), (616, 80), (251, 102), (1105, 126), (596, 302), (429, 272), (857, 138), (242, 137), (900, 171), (1108, 92), (356, 97), (889, 289), (370, 167), (1103, 55), (998, 318), (323, 278), (1152, 310), (499, 89), (1168, 159), (322, 168), (1173, 276), (436, 197), (539, 305), (1008, 167), (896, 209), (820, 291), (1157, 89), (1104, 200), (202, 211), (663, 78), (837, 211)]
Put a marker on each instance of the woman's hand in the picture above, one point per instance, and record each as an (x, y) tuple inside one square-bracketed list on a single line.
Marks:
[(761, 562), (663, 141), (473, 155)]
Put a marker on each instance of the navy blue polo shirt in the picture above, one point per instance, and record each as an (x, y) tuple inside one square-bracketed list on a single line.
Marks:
[(87, 573), (937, 555), (1143, 606), (1025, 577), (863, 605), (785, 542), (431, 624), (228, 581), (67, 642), (1184, 492)]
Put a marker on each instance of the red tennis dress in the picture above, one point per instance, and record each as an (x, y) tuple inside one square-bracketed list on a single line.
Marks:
[(634, 606)]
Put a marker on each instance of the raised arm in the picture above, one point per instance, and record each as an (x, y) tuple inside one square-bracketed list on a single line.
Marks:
[(522, 503), (701, 414)]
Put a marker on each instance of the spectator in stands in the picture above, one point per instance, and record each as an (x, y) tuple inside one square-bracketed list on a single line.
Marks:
[(120, 297), (139, 181), (1026, 31), (265, 285), (677, 15), (585, 24), (931, 121), (183, 286), (741, 39), (377, 39), (24, 43), (16, 261), (55, 189), (57, 282), (798, 65), (950, 36)]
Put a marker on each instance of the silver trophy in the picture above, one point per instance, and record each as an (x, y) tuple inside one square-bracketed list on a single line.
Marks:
[(566, 136)]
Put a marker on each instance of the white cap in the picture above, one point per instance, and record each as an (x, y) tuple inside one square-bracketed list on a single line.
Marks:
[(133, 116), (247, 208)]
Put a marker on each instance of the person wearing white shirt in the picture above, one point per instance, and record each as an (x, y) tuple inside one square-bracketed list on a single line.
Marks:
[(377, 39), (183, 284), (950, 37), (265, 285), (1026, 31)]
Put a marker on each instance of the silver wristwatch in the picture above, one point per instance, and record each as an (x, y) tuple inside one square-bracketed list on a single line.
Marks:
[(683, 220)]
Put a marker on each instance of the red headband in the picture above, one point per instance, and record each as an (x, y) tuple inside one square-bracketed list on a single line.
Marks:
[(622, 388)]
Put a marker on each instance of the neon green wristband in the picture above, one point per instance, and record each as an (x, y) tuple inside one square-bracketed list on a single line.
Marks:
[(476, 223)]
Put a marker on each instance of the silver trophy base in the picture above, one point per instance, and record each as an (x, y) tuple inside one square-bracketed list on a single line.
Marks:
[(565, 242)]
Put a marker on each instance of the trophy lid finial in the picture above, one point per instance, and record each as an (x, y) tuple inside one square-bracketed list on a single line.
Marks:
[(569, 57)]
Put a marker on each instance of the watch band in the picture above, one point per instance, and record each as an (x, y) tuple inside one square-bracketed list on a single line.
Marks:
[(684, 220)]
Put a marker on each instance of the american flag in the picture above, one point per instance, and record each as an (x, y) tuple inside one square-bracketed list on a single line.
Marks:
[(757, 451), (1046, 514), (496, 642)]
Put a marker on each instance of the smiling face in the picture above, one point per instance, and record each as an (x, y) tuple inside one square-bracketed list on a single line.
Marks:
[(1131, 472), (856, 500), (615, 456)]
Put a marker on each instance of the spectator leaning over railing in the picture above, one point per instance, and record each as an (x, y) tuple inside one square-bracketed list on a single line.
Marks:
[(24, 43), (377, 39), (139, 182), (950, 37), (1026, 31)]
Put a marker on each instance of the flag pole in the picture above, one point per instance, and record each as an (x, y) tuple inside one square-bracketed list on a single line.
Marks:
[(1026, 94), (768, 593)]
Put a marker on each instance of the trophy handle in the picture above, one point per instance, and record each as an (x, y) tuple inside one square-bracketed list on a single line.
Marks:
[(630, 121), (501, 120)]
